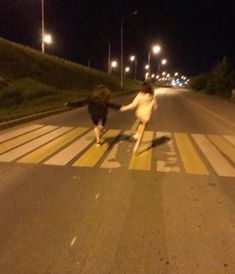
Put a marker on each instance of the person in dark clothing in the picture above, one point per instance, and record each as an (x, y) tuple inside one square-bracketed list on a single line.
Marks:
[(98, 104)]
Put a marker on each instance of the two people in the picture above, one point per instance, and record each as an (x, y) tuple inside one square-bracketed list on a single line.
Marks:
[(99, 102)]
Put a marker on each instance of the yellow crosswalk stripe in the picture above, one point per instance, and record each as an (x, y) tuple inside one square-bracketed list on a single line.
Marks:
[(43, 152), (17, 132), (71, 151), (190, 158), (224, 146), (8, 145), (142, 161), (26, 148), (93, 155), (221, 166)]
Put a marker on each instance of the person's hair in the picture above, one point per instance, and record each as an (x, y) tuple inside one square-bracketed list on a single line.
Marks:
[(100, 93), (146, 88)]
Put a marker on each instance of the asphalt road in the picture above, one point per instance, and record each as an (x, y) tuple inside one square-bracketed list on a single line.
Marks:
[(67, 206)]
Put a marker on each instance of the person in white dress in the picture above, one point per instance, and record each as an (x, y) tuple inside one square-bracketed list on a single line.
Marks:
[(145, 104)]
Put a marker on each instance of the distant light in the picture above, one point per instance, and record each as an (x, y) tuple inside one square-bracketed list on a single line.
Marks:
[(164, 73), (114, 64), (132, 58), (176, 74), (173, 83), (127, 69), (156, 49), (164, 61), (147, 67), (157, 76), (153, 75), (48, 38), (168, 75)]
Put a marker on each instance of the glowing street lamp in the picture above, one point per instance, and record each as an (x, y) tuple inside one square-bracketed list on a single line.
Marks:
[(127, 69), (134, 59), (48, 39), (163, 62), (114, 64)]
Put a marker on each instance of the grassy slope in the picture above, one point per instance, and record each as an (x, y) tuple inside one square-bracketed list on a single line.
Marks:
[(34, 82)]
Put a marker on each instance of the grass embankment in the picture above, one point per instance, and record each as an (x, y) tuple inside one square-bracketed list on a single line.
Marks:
[(32, 82)]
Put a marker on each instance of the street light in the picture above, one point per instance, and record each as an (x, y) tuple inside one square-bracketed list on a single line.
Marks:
[(156, 49), (43, 26), (48, 39), (134, 59), (122, 21), (163, 62), (127, 69), (114, 64)]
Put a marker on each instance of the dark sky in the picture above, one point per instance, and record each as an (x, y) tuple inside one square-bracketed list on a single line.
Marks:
[(194, 34)]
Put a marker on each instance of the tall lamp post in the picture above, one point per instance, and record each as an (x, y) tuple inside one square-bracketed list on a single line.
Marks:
[(43, 26), (122, 21), (156, 49)]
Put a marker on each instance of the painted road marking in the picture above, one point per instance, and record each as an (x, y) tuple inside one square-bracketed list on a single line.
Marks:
[(26, 148), (93, 155), (43, 152), (221, 166), (142, 161), (17, 132), (70, 152), (8, 145), (230, 139), (169, 163), (223, 146), (190, 158)]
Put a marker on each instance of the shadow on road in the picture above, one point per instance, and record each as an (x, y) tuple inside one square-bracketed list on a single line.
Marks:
[(156, 142)]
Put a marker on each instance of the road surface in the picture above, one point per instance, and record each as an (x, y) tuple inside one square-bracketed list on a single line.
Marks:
[(67, 206)]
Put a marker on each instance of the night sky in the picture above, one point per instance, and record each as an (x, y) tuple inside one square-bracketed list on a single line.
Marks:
[(194, 34)]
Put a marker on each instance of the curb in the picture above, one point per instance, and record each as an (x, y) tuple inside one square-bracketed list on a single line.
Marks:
[(29, 118), (18, 121)]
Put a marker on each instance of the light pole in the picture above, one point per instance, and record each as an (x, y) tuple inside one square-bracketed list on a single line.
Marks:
[(109, 55), (132, 59), (122, 21), (43, 26), (156, 49)]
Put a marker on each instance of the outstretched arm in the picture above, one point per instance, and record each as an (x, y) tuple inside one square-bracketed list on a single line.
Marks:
[(131, 105)]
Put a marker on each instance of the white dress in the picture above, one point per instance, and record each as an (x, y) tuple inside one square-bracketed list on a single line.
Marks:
[(145, 105)]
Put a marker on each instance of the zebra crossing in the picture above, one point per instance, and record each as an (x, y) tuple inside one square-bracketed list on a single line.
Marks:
[(199, 154)]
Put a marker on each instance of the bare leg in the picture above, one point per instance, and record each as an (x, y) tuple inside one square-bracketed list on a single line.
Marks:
[(141, 129), (97, 134)]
